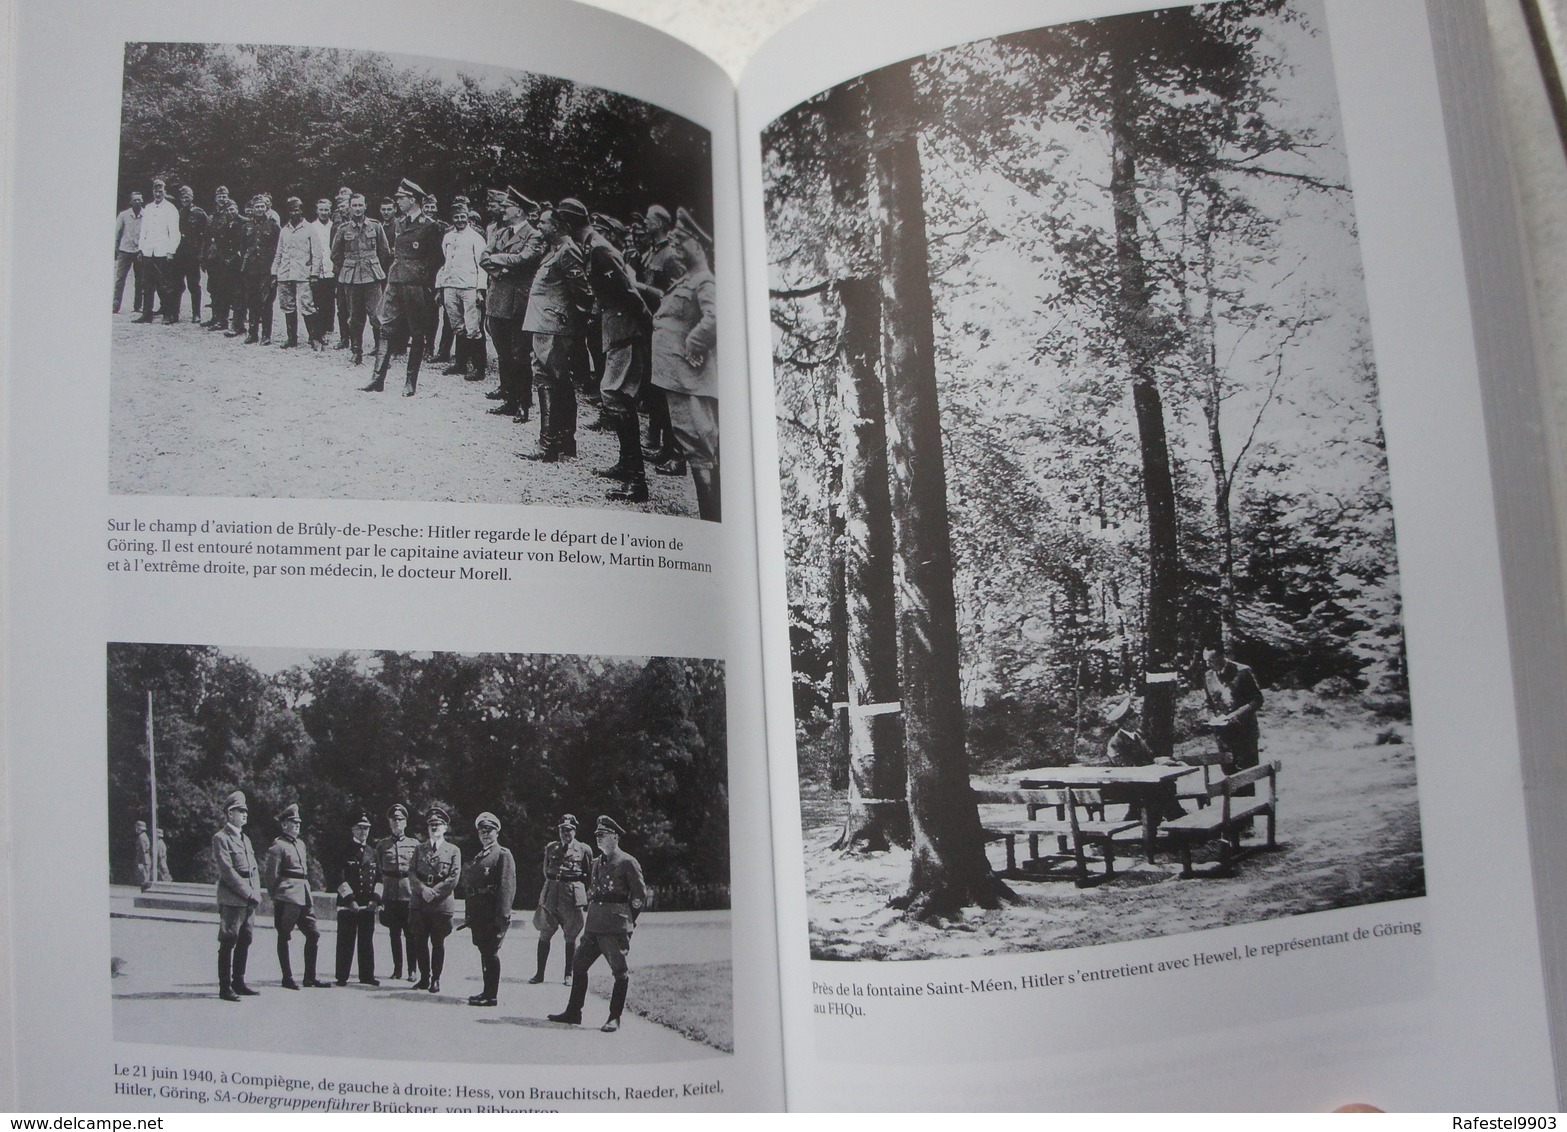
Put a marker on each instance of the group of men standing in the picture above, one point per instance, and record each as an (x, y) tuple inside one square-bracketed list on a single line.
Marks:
[(577, 305), (411, 887)]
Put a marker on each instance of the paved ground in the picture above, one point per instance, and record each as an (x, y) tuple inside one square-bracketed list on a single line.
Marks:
[(194, 413), (166, 994)]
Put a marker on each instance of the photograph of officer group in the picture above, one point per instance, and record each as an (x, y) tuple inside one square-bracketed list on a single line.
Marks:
[(378, 812), (582, 302)]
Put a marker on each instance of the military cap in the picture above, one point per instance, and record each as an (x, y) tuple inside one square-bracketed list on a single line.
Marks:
[(685, 223), (361, 818), (1119, 711), (289, 812), (514, 196), (437, 813), (235, 801), (398, 810), (573, 208), (609, 225), (495, 194), (141, 825), (487, 820), (568, 819), (405, 187), (608, 825)]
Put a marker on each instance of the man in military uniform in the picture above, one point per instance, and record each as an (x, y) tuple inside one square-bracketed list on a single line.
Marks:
[(616, 895), (287, 875), (564, 898), (357, 873), (261, 241), (1234, 698), (239, 892), (436, 869), (625, 326), (659, 267), (489, 885), (408, 304), (394, 859), (225, 252), (511, 257), (359, 248), (143, 856), (194, 226), (556, 316)]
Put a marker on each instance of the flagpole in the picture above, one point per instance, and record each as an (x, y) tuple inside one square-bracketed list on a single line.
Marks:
[(152, 781)]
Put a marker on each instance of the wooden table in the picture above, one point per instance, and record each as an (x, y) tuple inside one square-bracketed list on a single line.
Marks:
[(1152, 787)]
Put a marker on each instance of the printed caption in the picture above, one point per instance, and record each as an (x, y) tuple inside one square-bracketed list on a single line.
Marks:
[(280, 1092), (849, 999), (435, 552)]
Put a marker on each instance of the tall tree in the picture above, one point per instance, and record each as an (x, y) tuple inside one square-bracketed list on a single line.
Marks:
[(949, 869)]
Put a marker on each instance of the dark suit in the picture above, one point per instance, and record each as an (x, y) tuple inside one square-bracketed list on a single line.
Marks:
[(194, 227), (557, 316), (511, 258), (407, 312), (358, 870)]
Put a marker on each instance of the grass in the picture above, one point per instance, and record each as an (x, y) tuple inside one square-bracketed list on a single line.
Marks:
[(694, 999)]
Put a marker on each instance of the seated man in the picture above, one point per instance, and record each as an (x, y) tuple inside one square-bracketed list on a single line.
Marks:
[(1127, 747)]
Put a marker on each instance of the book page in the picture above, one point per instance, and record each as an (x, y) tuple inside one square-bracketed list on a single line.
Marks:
[(1131, 567), (382, 633)]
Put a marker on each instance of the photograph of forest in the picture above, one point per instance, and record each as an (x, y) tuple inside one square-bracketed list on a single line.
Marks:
[(1082, 467)]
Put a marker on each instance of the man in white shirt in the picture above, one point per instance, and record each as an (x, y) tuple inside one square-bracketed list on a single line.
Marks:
[(159, 240), (127, 242), (323, 281), (459, 283)]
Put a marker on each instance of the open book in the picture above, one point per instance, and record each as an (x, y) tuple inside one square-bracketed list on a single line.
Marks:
[(1007, 562)]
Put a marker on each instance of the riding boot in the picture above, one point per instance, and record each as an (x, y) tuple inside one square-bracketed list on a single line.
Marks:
[(632, 472), (572, 1015), (546, 451), (284, 965), (617, 1003), (292, 320), (478, 359), (378, 382), (492, 977), (397, 952), (225, 972), (310, 962), (544, 957), (708, 504), (241, 958), (571, 955), (411, 382), (437, 961), (459, 366)]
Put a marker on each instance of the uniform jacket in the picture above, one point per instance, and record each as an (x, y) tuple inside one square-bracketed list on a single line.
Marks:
[(395, 857), (662, 267), (239, 877), (1128, 748), (558, 300), (416, 250), (461, 249), (226, 242), (360, 252), (438, 869), (512, 258), (624, 314), (1228, 690), (567, 867), (615, 893), (686, 324), (358, 870), (194, 226), (489, 885), (261, 240), (160, 228), (286, 871), (295, 259)]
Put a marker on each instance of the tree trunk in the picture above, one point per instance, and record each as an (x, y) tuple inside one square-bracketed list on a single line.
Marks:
[(1135, 325), (838, 628), (949, 869), (877, 771)]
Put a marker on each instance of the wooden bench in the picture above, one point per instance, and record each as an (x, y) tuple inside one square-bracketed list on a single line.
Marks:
[(1071, 821), (1223, 821), (1191, 791)]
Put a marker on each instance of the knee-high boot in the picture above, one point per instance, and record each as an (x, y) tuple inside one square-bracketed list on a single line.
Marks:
[(492, 977), (285, 965), (544, 957), (378, 382), (708, 503), (292, 321), (617, 1003), (397, 952), (571, 957), (411, 382), (241, 960), (479, 359), (311, 944), (572, 1015), (629, 468), (226, 972)]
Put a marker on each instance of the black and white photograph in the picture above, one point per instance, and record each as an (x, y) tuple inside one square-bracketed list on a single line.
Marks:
[(351, 275), (1094, 595), (502, 858)]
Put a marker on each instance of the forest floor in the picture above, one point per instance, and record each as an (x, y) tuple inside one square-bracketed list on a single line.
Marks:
[(195, 413), (1348, 834)]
